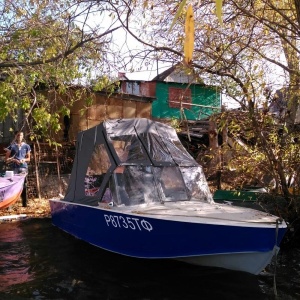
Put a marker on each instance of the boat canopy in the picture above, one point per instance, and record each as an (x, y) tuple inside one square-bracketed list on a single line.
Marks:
[(134, 161)]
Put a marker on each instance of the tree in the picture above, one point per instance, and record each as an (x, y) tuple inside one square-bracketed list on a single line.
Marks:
[(256, 38), (45, 47), (51, 44)]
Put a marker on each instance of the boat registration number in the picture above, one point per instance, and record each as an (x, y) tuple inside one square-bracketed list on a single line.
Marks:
[(128, 222)]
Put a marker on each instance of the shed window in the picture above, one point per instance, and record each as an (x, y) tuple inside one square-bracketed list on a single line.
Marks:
[(178, 96)]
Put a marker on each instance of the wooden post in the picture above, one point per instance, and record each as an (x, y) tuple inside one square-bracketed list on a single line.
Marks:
[(213, 136), (225, 143), (24, 193), (214, 146), (58, 169), (37, 173)]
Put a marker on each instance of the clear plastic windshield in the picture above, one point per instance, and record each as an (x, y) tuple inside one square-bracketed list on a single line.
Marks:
[(129, 149), (196, 184), (133, 185)]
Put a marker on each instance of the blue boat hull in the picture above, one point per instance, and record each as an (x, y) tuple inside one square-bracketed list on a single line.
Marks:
[(149, 237)]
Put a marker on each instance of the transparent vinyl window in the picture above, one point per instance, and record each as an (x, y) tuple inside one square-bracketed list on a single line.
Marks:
[(128, 149), (171, 183), (196, 184), (97, 168), (133, 185)]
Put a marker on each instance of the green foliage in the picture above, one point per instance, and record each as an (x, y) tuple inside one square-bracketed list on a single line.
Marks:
[(46, 47), (264, 155), (104, 83), (175, 123), (89, 101)]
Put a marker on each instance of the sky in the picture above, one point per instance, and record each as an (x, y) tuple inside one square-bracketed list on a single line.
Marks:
[(276, 77)]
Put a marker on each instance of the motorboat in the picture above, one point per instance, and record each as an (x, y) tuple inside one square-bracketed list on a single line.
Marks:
[(11, 187), (136, 191)]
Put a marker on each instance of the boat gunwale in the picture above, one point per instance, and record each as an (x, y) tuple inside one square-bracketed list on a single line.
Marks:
[(183, 218)]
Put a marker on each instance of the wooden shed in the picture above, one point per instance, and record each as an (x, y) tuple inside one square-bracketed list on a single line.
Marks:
[(91, 108)]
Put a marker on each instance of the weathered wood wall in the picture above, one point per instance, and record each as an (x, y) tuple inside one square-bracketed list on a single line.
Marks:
[(105, 107)]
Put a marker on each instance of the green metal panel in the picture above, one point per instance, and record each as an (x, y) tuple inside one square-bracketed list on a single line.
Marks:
[(201, 95)]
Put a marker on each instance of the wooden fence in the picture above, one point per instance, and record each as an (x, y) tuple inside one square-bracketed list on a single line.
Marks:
[(49, 170)]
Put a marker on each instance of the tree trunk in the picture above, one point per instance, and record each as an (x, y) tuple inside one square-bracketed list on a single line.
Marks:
[(297, 5)]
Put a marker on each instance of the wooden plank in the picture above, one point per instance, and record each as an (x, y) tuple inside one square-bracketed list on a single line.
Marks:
[(115, 108), (37, 172), (143, 110), (129, 109)]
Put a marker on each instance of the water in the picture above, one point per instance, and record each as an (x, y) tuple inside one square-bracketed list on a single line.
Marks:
[(39, 261)]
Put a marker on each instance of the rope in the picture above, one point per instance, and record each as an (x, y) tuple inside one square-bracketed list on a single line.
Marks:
[(275, 266)]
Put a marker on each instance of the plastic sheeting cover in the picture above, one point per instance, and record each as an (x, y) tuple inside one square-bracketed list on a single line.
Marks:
[(142, 141)]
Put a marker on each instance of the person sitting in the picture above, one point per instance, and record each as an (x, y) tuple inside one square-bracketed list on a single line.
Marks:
[(18, 154)]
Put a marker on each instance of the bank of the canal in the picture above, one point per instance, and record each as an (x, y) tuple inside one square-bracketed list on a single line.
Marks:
[(36, 208)]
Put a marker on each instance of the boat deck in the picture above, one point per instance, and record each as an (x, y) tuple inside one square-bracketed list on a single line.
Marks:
[(197, 210)]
